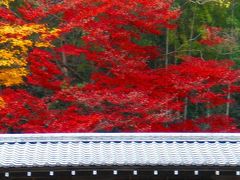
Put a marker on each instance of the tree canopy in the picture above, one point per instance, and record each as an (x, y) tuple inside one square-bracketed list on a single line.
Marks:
[(118, 66)]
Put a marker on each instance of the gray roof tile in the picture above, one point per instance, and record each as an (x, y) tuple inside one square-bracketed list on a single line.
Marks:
[(119, 150)]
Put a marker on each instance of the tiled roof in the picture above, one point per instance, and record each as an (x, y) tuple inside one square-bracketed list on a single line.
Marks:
[(170, 149)]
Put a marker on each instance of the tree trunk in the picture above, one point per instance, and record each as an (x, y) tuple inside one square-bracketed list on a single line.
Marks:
[(228, 103), (167, 48), (208, 110), (185, 108), (191, 31), (64, 61), (175, 49)]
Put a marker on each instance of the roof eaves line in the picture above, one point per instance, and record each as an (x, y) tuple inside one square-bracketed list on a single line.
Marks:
[(119, 137)]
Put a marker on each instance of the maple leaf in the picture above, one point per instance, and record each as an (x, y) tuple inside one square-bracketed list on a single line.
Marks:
[(71, 50)]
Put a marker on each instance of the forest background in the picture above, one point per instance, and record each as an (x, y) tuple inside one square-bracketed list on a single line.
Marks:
[(109, 66)]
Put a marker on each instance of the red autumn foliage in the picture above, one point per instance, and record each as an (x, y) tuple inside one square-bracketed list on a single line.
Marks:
[(8, 16), (71, 50), (43, 72), (212, 37), (23, 112), (124, 93)]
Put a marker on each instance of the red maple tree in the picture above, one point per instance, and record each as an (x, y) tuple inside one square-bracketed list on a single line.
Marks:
[(124, 93)]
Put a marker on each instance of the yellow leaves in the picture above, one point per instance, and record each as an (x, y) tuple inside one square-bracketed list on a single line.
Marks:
[(8, 59), (2, 103), (5, 2), (224, 3), (16, 35), (12, 76), (50, 33), (43, 44), (15, 43)]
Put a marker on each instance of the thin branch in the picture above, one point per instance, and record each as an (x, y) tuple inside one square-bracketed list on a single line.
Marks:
[(195, 50)]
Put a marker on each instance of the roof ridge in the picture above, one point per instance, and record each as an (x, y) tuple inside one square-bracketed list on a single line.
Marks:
[(76, 137)]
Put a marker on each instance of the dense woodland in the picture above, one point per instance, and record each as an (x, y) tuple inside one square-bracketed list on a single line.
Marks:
[(119, 66)]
